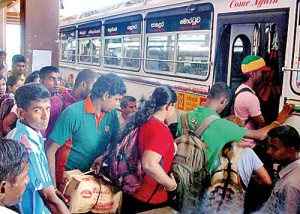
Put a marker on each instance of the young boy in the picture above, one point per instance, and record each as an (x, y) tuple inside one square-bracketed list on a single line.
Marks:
[(50, 78), (33, 101)]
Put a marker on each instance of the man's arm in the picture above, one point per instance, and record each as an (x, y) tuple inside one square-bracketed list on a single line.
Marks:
[(262, 176), (51, 200), (8, 121), (262, 133), (259, 120), (51, 149)]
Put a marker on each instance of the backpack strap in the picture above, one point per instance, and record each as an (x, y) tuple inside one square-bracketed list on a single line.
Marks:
[(63, 102), (185, 125), (204, 124), (246, 89)]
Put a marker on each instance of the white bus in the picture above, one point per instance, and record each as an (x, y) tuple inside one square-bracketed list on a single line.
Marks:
[(187, 44)]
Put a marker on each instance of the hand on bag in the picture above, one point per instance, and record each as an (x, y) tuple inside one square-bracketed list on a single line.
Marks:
[(286, 112), (173, 188), (61, 196), (96, 166)]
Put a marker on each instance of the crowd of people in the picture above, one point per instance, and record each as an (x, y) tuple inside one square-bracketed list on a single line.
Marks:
[(48, 129)]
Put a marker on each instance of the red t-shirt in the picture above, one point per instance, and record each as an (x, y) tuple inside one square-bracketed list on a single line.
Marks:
[(155, 136)]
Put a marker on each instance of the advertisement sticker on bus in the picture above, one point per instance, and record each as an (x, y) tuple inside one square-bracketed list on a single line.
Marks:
[(188, 102)]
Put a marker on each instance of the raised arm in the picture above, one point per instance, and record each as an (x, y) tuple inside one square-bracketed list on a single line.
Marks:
[(262, 133)]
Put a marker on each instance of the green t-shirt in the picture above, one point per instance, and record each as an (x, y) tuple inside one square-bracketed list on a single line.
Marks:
[(220, 132), (88, 140)]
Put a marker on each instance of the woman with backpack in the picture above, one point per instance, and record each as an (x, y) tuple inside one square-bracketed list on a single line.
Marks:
[(157, 149)]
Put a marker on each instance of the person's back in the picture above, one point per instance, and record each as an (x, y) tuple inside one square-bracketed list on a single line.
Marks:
[(246, 104), (220, 131)]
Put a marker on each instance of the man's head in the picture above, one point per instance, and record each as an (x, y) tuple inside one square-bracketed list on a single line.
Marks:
[(283, 144), (85, 81), (2, 57), (50, 78), (109, 88), (13, 171), (18, 65), (128, 105), (2, 85), (253, 67), (220, 95), (33, 101)]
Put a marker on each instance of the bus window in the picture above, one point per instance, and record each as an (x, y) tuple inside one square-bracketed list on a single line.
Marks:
[(178, 41), (89, 51), (89, 43), (131, 53), (112, 51), (68, 44), (84, 51), (193, 49), (123, 42), (160, 50)]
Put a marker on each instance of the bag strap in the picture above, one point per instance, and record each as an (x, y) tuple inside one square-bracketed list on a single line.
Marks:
[(72, 176), (63, 102), (185, 125), (204, 124)]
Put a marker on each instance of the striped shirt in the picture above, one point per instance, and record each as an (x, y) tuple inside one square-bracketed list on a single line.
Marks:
[(38, 173)]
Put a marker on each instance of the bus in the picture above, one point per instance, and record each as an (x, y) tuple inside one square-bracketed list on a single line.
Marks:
[(187, 44)]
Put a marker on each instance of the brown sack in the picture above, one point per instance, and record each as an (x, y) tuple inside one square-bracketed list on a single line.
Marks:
[(85, 193)]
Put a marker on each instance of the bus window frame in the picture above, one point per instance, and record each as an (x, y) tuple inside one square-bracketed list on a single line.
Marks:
[(90, 39), (295, 72), (175, 62), (69, 56), (121, 67)]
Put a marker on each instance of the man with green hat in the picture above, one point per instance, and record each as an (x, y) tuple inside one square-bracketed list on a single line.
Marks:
[(246, 104)]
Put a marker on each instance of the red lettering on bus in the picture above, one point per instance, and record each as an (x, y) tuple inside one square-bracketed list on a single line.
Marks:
[(235, 3)]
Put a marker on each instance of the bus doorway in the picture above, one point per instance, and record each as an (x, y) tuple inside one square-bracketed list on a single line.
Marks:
[(261, 33)]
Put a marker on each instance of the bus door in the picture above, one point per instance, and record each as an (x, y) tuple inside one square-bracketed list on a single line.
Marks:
[(261, 33)]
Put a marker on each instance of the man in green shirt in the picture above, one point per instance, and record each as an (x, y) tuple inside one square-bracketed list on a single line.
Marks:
[(83, 131), (222, 131)]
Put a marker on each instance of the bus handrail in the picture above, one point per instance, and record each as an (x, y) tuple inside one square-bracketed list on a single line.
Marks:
[(290, 69)]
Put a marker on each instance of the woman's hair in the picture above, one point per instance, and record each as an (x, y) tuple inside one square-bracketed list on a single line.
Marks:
[(12, 80), (31, 77), (161, 96)]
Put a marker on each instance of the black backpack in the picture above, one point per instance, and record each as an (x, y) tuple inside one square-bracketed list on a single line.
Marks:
[(229, 109)]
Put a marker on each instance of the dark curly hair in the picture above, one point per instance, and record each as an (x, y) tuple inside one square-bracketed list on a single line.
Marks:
[(110, 83), (161, 96)]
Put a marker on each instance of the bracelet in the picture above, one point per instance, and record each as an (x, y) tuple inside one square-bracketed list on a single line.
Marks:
[(279, 124), (171, 190), (55, 189)]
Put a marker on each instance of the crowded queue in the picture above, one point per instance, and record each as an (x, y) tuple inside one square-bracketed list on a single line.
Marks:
[(50, 129)]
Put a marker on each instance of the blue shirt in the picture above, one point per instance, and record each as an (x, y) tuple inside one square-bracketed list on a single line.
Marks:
[(39, 173)]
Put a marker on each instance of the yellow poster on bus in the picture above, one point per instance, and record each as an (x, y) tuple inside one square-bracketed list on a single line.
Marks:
[(188, 102)]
